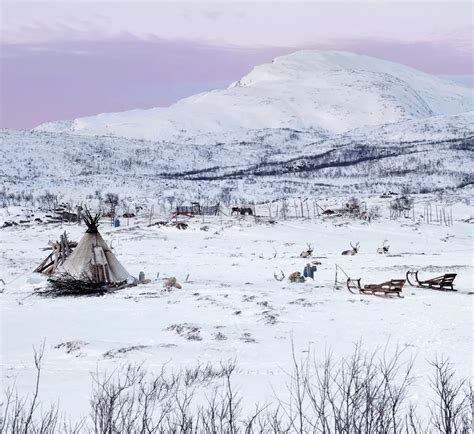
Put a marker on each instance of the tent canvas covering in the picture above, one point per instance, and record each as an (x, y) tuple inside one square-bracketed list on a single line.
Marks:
[(93, 261)]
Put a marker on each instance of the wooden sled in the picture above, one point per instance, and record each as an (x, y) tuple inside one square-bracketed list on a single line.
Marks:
[(444, 282), (390, 287)]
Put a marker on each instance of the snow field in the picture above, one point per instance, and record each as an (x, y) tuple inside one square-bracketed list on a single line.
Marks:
[(231, 306)]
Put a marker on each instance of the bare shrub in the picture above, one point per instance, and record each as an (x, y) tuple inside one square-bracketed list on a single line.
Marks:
[(363, 393), (111, 200), (128, 401), (451, 411), (48, 201), (25, 415)]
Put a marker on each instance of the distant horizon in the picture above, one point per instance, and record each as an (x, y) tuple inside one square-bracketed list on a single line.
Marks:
[(62, 60)]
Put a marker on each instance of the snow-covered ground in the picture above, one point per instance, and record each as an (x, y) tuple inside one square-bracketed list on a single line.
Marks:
[(232, 299)]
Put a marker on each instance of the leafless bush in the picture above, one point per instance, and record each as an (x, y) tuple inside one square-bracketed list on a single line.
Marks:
[(451, 411), (3, 198), (112, 200), (134, 400), (355, 208), (24, 414), (225, 195), (353, 205), (363, 393), (48, 201), (22, 198), (130, 401)]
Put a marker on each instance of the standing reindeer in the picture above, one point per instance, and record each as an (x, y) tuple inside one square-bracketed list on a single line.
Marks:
[(384, 249), (241, 210), (352, 252), (308, 252)]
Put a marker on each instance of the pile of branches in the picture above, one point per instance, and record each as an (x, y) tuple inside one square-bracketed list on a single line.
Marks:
[(60, 251), (67, 286)]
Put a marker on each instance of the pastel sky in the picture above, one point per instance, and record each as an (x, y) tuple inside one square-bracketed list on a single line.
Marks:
[(64, 59)]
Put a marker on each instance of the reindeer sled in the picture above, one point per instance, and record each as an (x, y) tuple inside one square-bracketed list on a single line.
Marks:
[(391, 287), (444, 282)]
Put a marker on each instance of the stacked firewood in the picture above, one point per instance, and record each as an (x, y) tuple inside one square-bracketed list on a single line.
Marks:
[(60, 251)]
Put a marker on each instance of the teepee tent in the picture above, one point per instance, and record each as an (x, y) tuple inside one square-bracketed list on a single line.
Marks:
[(92, 260)]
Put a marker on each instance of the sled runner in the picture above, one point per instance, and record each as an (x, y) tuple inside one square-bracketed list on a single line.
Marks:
[(444, 282), (393, 286)]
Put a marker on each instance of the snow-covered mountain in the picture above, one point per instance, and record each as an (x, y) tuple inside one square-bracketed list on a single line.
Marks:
[(306, 123), (327, 92)]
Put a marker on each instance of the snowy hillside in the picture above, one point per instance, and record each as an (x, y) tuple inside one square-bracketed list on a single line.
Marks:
[(307, 123), (255, 165), (328, 92)]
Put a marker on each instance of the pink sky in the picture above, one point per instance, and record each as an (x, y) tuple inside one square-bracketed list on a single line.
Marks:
[(65, 59)]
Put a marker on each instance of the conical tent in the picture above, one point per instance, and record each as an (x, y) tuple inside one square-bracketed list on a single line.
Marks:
[(92, 260)]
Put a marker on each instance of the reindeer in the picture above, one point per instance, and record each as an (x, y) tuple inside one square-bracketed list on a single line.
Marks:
[(384, 249), (352, 252), (308, 252), (296, 277), (241, 210)]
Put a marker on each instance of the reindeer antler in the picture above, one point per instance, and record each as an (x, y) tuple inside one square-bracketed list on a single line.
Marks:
[(356, 247), (282, 276)]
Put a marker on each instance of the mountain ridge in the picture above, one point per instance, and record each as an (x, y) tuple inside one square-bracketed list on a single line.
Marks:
[(329, 92)]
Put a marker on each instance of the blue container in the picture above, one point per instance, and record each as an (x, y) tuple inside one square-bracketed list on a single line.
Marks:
[(116, 223), (309, 271)]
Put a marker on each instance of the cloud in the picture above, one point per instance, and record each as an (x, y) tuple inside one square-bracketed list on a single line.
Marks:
[(239, 23)]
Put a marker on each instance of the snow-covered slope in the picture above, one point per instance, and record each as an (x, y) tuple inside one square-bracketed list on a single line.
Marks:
[(305, 122), (424, 154), (435, 128), (328, 92)]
